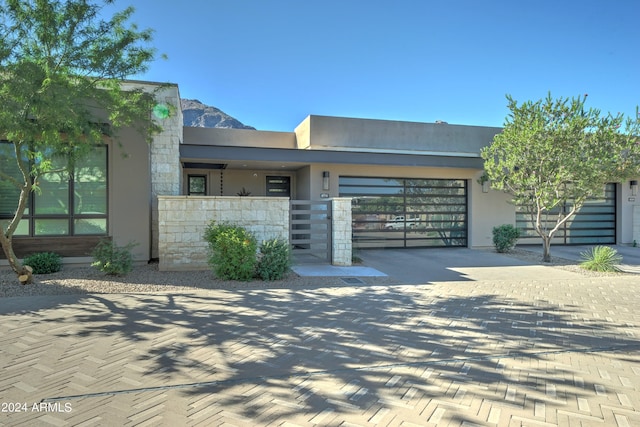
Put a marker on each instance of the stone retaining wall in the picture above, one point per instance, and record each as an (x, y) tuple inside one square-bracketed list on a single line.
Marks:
[(183, 220)]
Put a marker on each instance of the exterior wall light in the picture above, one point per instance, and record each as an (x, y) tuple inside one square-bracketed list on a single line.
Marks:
[(633, 184), (484, 182), (325, 181)]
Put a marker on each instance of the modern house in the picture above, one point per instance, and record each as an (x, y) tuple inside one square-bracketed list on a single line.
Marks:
[(406, 185)]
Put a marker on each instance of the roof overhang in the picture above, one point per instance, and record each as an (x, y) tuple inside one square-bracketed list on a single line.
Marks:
[(221, 154)]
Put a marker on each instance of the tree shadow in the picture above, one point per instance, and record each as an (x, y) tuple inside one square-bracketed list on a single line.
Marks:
[(371, 344)]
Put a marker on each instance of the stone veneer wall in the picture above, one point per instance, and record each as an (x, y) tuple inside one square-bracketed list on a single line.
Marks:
[(341, 229), (183, 220), (166, 170)]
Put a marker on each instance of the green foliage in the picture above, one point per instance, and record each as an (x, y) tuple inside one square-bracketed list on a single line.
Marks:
[(112, 259), (505, 237), (274, 260), (232, 251), (44, 262), (61, 88), (601, 258), (556, 152)]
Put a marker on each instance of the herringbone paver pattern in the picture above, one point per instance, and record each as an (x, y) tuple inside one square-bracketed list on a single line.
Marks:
[(523, 353)]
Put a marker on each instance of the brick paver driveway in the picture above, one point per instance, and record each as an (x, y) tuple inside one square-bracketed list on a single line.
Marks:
[(562, 352)]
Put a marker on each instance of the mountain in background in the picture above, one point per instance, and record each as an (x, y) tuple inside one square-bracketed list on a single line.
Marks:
[(197, 114)]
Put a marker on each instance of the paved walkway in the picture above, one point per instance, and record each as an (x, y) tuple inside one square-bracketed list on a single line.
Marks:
[(534, 351)]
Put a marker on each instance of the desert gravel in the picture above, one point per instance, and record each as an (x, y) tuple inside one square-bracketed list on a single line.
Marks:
[(147, 278)]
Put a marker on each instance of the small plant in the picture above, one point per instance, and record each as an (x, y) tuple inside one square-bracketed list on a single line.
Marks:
[(243, 193), (112, 259), (505, 237), (232, 251), (600, 258), (44, 262), (274, 260)]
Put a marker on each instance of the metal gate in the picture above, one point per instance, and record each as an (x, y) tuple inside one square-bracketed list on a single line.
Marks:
[(310, 231)]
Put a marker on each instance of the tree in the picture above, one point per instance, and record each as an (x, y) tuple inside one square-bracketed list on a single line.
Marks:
[(62, 68), (554, 153)]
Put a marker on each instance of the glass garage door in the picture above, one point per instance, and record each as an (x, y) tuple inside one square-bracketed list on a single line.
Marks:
[(594, 223), (402, 212)]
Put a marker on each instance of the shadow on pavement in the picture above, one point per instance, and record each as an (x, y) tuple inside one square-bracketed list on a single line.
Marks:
[(336, 348)]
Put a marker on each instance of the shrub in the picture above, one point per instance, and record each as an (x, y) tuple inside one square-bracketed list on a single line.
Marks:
[(505, 237), (274, 260), (44, 262), (600, 258), (232, 251), (112, 259)]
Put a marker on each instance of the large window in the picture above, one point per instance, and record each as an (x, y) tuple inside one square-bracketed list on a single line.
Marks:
[(403, 212), (66, 204)]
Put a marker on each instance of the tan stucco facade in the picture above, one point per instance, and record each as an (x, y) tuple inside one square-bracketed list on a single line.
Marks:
[(237, 161)]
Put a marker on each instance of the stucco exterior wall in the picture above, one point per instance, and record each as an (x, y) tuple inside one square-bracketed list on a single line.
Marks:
[(129, 188), (628, 215), (487, 210), (321, 132), (239, 137), (183, 220), (234, 180), (635, 230)]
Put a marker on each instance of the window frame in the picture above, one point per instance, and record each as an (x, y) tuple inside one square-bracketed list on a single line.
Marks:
[(196, 193), (71, 216)]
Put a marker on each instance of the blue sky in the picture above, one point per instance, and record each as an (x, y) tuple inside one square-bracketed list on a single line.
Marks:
[(270, 63)]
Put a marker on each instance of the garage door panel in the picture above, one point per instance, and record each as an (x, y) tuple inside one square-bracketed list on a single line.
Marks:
[(395, 212), (594, 223)]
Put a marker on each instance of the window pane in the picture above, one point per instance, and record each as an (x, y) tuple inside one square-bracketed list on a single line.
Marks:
[(53, 197), (197, 185), (90, 183), (23, 227), (9, 193), (52, 227), (90, 226)]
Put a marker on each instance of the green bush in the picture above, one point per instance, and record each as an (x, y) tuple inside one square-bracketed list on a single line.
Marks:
[(505, 237), (600, 258), (232, 251), (112, 259), (274, 260), (44, 262)]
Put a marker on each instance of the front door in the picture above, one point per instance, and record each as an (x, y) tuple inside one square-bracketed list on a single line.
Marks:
[(279, 186)]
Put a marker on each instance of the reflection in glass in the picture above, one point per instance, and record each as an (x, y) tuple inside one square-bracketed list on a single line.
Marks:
[(90, 183), (52, 227), (90, 226), (406, 212)]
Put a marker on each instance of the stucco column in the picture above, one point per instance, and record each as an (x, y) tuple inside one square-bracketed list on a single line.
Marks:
[(341, 231)]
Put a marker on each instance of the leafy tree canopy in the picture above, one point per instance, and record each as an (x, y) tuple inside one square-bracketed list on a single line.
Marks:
[(61, 72), (555, 152)]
